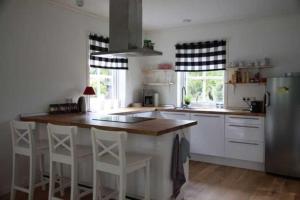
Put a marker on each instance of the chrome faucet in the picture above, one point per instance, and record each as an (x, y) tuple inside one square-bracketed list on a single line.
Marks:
[(183, 94)]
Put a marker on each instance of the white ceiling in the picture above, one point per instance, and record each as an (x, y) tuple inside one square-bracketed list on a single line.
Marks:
[(160, 14)]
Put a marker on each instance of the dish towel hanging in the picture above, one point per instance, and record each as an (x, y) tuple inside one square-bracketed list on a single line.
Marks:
[(99, 43), (177, 170)]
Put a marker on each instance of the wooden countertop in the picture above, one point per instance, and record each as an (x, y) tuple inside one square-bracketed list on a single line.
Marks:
[(154, 127), (131, 110)]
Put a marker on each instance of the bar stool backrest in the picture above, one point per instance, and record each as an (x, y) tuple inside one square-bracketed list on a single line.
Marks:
[(62, 139), (109, 150), (22, 134)]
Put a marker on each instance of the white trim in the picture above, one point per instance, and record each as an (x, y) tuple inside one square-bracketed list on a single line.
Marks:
[(228, 162), (87, 75)]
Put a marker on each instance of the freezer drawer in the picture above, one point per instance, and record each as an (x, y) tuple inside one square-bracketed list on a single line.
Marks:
[(244, 150), (244, 132)]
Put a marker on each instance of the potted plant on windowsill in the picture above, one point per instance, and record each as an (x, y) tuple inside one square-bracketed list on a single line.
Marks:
[(187, 101)]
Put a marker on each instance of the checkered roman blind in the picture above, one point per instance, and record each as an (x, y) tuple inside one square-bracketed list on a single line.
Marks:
[(98, 43), (201, 56)]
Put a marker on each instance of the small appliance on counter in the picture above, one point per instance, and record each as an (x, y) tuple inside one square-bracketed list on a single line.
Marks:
[(257, 107), (148, 97)]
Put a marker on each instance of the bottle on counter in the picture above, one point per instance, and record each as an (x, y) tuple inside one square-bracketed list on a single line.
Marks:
[(156, 99)]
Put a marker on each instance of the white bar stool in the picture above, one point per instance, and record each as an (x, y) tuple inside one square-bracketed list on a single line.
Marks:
[(24, 143), (109, 155), (63, 150)]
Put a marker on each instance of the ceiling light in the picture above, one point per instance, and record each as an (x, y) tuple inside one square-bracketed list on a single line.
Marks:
[(186, 20), (80, 3)]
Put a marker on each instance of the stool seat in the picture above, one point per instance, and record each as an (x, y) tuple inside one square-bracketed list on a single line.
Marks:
[(135, 159), (83, 150), (132, 159)]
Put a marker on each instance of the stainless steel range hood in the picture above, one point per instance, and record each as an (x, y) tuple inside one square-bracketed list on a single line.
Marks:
[(125, 30)]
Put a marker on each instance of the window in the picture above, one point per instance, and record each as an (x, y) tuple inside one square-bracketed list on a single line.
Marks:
[(201, 66), (105, 76), (204, 88), (109, 92)]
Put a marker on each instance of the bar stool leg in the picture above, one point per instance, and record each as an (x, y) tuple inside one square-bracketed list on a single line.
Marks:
[(122, 188), (59, 169), (42, 172), (12, 190), (147, 181), (74, 181), (51, 180), (32, 177), (95, 185)]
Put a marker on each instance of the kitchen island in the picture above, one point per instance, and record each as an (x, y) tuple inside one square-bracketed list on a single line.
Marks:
[(153, 137)]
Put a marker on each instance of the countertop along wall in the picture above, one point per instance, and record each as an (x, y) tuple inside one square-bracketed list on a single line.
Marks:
[(276, 38), (43, 60)]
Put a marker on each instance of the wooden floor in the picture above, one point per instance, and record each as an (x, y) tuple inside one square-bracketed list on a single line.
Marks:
[(214, 182)]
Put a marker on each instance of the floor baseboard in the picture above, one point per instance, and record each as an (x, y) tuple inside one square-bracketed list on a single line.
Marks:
[(229, 162)]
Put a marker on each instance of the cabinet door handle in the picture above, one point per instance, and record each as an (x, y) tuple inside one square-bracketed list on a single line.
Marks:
[(243, 126), (244, 118), (214, 116), (237, 142)]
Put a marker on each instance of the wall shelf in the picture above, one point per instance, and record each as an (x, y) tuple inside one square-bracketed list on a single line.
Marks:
[(158, 70), (159, 84), (251, 67), (245, 84)]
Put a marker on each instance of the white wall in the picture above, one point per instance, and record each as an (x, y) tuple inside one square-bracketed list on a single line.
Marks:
[(43, 60), (277, 38)]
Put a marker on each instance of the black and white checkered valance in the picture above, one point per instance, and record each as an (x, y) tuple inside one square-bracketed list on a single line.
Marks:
[(98, 43), (201, 56)]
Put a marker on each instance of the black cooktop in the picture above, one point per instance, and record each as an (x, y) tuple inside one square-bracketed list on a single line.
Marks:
[(121, 118)]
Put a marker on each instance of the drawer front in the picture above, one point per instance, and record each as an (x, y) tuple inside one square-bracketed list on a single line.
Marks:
[(244, 132), (239, 119), (175, 115), (244, 150)]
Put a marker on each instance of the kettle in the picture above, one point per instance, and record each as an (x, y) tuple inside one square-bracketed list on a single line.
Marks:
[(257, 106)]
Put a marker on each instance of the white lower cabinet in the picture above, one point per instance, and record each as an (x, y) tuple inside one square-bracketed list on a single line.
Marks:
[(244, 150), (208, 136), (145, 114), (244, 138), (175, 115), (228, 136)]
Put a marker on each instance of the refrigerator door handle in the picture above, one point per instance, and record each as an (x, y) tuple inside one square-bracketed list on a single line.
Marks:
[(267, 99)]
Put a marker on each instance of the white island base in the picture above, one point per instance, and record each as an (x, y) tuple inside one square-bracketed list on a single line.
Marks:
[(159, 147)]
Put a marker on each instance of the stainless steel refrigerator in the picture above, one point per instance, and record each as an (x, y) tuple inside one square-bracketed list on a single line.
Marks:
[(282, 135)]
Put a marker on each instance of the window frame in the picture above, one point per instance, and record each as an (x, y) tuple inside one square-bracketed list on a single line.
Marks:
[(119, 79), (181, 82)]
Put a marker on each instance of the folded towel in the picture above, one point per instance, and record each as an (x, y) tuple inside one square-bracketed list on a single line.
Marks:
[(184, 149)]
